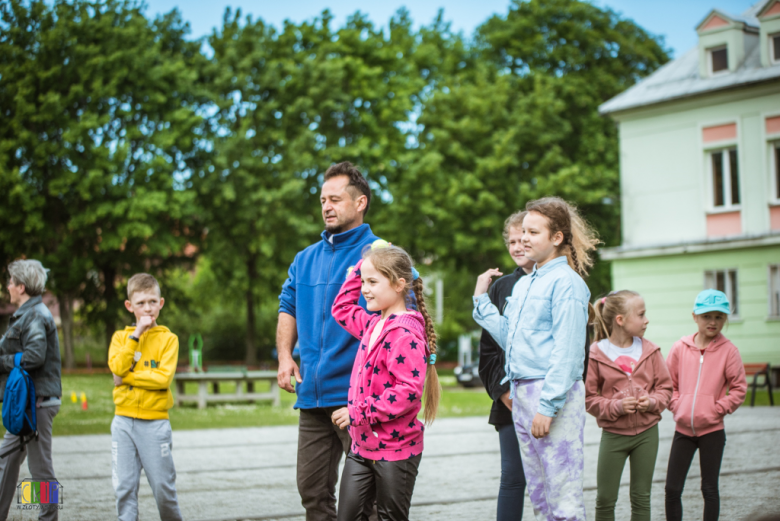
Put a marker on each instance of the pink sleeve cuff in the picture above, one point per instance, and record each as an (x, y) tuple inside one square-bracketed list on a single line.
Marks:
[(653, 405), (356, 415)]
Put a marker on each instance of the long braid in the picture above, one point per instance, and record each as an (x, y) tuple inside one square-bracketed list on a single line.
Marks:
[(575, 260), (430, 330), (432, 391), (582, 273)]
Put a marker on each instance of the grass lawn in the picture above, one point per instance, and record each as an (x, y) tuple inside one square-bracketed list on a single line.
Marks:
[(455, 401), (71, 419), (762, 397)]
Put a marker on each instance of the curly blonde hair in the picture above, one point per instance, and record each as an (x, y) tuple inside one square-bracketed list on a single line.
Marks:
[(579, 239)]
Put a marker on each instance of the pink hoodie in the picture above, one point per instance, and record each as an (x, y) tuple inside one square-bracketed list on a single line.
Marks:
[(700, 379), (606, 380), (385, 389)]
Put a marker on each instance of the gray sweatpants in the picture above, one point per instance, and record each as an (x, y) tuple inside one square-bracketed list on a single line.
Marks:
[(147, 444), (39, 462)]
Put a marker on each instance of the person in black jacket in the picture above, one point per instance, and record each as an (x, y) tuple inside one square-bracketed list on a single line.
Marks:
[(511, 493)]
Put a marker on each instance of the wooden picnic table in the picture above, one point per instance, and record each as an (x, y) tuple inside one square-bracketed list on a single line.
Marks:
[(756, 370), (214, 378)]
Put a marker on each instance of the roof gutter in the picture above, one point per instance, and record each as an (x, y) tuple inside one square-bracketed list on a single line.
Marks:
[(708, 245)]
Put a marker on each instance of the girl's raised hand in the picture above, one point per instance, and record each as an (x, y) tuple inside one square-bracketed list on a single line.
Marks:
[(340, 418), (484, 280)]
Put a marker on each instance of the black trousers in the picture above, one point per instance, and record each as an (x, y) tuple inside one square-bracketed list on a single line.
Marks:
[(320, 446), (684, 447), (392, 482)]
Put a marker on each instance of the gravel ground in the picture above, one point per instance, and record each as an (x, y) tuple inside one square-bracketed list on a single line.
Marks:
[(236, 474)]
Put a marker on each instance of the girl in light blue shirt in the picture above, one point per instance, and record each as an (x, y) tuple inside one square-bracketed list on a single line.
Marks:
[(543, 333)]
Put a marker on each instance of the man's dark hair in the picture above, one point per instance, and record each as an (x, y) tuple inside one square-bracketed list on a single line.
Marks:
[(357, 183)]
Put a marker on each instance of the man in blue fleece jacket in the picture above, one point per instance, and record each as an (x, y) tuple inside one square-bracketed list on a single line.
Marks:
[(327, 350)]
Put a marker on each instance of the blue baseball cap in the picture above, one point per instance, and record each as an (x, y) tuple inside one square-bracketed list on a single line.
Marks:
[(711, 300)]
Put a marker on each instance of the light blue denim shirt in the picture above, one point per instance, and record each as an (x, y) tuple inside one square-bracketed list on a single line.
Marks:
[(542, 330)]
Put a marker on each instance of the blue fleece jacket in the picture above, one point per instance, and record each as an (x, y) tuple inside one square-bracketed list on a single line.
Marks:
[(327, 350)]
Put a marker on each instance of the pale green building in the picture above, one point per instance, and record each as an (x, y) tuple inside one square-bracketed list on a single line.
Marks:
[(700, 182)]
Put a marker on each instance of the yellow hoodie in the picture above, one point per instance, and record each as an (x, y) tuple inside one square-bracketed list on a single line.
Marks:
[(146, 392)]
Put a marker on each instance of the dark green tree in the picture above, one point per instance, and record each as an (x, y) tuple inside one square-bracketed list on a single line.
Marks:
[(517, 120), (100, 126), (287, 105)]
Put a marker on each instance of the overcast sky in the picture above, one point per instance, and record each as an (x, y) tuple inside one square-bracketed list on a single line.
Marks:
[(673, 19)]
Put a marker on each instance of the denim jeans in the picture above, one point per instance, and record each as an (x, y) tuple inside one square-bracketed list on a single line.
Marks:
[(511, 492)]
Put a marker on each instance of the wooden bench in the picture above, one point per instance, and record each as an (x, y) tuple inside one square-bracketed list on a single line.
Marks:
[(214, 378), (756, 370)]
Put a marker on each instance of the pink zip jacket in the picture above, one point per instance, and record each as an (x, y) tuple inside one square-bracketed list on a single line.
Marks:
[(699, 381), (385, 389), (606, 380)]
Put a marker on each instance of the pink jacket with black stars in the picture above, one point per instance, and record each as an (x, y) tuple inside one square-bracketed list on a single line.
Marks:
[(385, 389)]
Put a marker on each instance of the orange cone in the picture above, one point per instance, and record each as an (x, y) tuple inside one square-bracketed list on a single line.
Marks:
[(83, 401)]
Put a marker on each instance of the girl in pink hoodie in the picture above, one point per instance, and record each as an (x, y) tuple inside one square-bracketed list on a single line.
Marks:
[(703, 367), (627, 389), (396, 356)]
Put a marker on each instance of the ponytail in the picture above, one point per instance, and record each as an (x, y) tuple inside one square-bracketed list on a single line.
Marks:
[(607, 308), (600, 328), (432, 390)]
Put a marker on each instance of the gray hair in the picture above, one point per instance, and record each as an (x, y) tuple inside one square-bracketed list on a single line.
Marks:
[(29, 273)]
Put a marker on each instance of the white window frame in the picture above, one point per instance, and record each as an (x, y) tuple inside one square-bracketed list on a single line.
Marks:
[(774, 169), (774, 291), (727, 206), (709, 60), (771, 51), (731, 280)]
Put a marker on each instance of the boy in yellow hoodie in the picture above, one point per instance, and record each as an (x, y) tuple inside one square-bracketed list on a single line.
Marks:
[(143, 359)]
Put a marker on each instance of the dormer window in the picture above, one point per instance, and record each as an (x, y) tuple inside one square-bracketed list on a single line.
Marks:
[(769, 18), (718, 59), (725, 41)]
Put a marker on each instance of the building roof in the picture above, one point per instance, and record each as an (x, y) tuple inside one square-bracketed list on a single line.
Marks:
[(748, 17), (680, 78)]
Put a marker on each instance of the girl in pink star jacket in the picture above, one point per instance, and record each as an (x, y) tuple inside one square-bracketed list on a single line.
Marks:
[(392, 374)]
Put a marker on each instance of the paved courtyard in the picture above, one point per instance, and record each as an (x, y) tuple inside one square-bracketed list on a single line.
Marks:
[(237, 474)]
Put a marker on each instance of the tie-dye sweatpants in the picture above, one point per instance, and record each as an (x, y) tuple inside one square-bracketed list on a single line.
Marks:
[(553, 464)]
